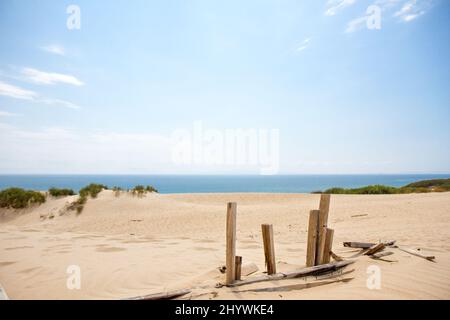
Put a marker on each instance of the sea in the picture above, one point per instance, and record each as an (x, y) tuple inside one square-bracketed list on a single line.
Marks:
[(216, 183)]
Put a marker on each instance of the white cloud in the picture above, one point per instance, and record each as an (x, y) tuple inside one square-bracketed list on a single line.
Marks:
[(41, 77), (412, 9), (59, 102), (55, 49), (15, 92), (356, 24), (8, 114), (11, 91), (61, 150), (304, 44), (333, 6)]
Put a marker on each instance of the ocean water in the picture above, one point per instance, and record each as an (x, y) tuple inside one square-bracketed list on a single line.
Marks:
[(214, 183)]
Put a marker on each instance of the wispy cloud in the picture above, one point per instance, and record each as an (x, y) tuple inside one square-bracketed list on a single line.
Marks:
[(356, 24), (8, 114), (333, 6), (12, 91), (42, 77), (412, 9), (303, 45), (54, 49), (15, 92), (59, 102)]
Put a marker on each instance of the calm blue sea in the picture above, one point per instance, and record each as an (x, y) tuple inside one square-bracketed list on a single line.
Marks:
[(214, 183)]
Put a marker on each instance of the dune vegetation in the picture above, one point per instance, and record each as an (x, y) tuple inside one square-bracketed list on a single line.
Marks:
[(57, 192), (18, 198), (435, 185)]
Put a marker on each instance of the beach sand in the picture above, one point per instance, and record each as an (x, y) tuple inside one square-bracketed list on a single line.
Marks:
[(128, 246)]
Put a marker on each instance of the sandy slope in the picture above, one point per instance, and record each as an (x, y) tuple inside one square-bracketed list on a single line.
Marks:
[(127, 246)]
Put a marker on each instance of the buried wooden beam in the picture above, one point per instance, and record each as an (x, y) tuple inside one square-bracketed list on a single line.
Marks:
[(366, 245), (269, 248), (231, 243), (162, 295), (416, 253), (315, 270), (324, 208), (374, 249), (328, 245), (238, 262), (380, 255), (312, 238)]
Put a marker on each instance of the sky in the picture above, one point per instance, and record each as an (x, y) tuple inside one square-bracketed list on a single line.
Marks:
[(107, 97)]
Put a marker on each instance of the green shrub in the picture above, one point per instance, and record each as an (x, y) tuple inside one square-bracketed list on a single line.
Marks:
[(436, 185), (55, 192), (140, 190), (92, 190), (18, 198), (150, 189)]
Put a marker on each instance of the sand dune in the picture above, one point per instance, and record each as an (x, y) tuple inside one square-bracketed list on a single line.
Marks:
[(128, 246)]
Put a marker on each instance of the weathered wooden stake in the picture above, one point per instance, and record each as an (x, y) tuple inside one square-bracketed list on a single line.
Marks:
[(328, 245), (231, 243), (324, 208), (312, 238), (238, 264), (269, 248)]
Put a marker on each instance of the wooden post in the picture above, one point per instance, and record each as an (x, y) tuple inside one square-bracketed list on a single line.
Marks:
[(312, 238), (238, 267), (231, 243), (269, 248), (324, 208), (328, 245)]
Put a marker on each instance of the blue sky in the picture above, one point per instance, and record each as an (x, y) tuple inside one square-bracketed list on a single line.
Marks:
[(106, 98)]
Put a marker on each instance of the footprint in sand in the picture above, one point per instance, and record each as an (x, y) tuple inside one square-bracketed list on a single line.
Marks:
[(110, 249)]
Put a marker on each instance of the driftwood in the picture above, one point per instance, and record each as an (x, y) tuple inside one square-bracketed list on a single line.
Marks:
[(335, 256), (359, 215), (416, 253), (359, 245), (376, 248), (298, 286), (295, 274), (162, 295), (381, 254), (366, 245)]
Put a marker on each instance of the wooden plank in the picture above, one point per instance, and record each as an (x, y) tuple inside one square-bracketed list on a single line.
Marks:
[(367, 245), (231, 243), (324, 208), (374, 249), (312, 238), (417, 253), (328, 245), (162, 295), (360, 245), (238, 261), (269, 248), (315, 270), (381, 254)]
